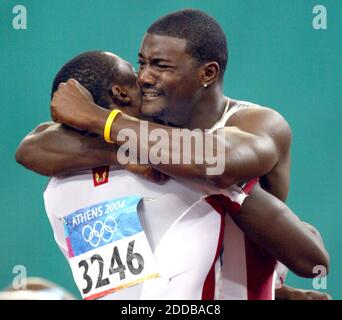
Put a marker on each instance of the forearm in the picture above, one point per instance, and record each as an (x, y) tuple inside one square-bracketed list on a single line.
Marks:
[(275, 228), (150, 148), (251, 144), (54, 151), (218, 159)]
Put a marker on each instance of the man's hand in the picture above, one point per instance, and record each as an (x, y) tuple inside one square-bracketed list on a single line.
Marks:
[(72, 104), (290, 293)]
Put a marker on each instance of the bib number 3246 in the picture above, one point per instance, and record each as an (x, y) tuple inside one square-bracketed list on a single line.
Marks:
[(109, 251)]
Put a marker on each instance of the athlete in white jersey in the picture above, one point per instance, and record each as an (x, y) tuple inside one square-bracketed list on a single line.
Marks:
[(156, 216), (182, 228), (251, 284), (248, 272), (184, 237)]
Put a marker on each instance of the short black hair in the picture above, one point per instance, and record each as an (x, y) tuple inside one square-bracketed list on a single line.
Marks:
[(206, 40), (95, 70)]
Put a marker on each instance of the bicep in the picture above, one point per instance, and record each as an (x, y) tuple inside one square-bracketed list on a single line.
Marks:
[(28, 146), (255, 141), (249, 155)]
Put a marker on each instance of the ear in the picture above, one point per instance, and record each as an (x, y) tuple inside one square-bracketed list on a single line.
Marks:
[(210, 73), (120, 95)]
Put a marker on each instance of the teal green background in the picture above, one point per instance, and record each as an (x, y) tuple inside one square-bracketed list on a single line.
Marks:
[(276, 59)]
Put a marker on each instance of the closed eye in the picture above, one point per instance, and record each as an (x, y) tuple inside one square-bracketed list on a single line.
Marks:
[(163, 66)]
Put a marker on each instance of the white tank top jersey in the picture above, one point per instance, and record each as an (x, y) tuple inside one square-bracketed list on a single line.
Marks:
[(281, 274), (200, 253)]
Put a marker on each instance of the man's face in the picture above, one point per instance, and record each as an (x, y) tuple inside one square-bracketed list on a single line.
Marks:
[(170, 79)]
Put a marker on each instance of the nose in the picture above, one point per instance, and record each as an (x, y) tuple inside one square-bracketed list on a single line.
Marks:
[(146, 76)]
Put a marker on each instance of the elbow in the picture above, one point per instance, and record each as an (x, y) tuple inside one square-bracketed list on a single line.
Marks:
[(23, 154), (222, 181), (20, 156), (244, 171), (26, 155), (220, 176), (321, 266), (312, 267)]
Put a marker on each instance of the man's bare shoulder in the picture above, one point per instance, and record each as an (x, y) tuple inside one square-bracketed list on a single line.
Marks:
[(261, 120)]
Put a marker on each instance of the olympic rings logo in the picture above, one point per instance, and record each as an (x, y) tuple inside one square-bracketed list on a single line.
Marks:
[(99, 231)]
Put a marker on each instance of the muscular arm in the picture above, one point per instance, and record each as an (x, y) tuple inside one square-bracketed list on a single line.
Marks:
[(53, 150), (271, 224), (252, 143)]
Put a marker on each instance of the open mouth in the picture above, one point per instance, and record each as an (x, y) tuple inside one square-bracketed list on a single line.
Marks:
[(150, 95)]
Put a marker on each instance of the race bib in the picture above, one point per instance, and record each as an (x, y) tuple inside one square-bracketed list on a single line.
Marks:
[(108, 248)]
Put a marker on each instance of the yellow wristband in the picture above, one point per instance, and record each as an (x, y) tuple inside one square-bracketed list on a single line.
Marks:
[(109, 123)]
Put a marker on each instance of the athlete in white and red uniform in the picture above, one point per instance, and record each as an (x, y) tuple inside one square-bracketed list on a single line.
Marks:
[(187, 240), (185, 237), (248, 271), (255, 280), (250, 146)]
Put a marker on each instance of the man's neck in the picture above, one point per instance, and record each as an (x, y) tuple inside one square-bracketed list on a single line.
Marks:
[(208, 110)]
